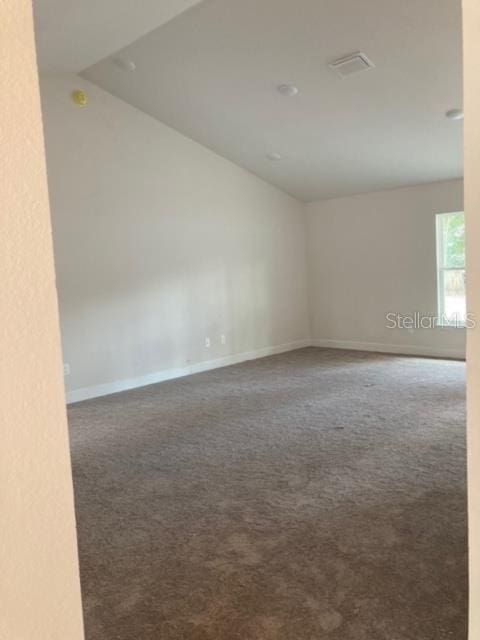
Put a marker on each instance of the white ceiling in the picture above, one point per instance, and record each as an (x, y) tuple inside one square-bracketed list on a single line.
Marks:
[(74, 34), (211, 73)]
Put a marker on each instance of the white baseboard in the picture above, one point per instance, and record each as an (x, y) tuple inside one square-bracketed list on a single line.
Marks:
[(95, 391), (381, 347)]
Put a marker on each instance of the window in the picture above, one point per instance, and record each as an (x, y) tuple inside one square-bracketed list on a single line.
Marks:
[(451, 269)]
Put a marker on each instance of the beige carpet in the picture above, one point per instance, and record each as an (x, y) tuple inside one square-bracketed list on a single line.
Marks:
[(316, 494)]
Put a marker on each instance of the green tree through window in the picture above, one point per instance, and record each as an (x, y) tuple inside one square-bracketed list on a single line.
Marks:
[(451, 268)]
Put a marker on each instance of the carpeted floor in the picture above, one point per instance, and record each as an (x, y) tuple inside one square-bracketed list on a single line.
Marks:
[(312, 495)]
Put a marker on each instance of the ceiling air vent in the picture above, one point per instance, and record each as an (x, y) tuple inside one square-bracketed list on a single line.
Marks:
[(349, 65)]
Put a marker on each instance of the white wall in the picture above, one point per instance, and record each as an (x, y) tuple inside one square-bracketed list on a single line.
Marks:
[(159, 243), (39, 581), (373, 254)]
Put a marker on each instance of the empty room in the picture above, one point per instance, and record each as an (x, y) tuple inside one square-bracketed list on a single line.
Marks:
[(259, 240)]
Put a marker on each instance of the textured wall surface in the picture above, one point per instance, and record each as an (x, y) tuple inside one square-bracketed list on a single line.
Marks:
[(39, 586), (471, 28)]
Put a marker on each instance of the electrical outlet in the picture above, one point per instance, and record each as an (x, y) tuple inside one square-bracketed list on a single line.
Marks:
[(207, 343), (66, 369), (223, 338)]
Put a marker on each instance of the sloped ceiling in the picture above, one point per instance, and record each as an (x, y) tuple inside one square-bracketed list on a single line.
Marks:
[(212, 72), (74, 34)]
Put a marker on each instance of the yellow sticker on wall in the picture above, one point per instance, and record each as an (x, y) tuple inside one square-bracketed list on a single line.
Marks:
[(79, 97)]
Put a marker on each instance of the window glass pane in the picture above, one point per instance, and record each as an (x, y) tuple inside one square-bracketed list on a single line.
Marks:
[(454, 296), (453, 240)]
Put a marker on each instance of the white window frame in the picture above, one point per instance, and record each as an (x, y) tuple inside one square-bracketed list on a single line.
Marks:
[(442, 320)]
